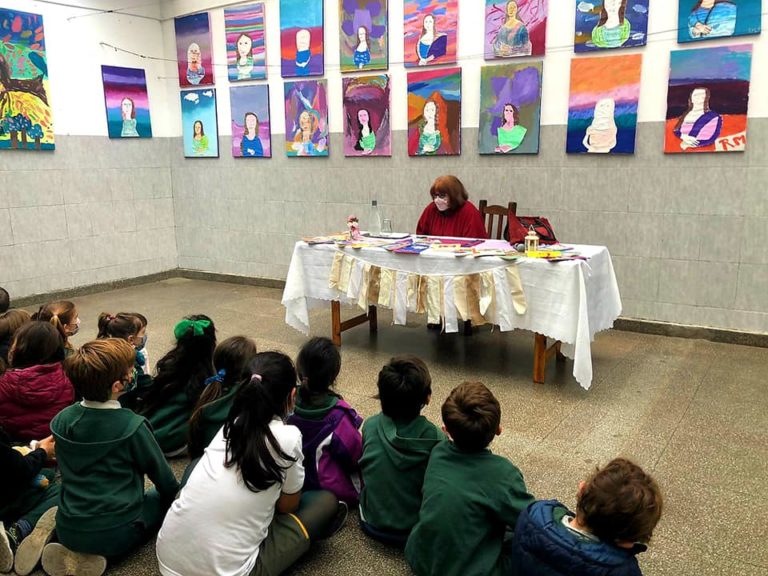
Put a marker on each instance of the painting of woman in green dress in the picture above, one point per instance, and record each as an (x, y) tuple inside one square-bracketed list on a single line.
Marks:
[(510, 133), (430, 138)]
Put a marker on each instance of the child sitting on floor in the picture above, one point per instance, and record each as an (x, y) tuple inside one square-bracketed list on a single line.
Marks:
[(396, 446), (231, 360), (104, 452), (179, 380), (130, 328), (242, 510), (63, 316), (10, 322), (331, 440), (471, 496), (616, 512), (27, 510)]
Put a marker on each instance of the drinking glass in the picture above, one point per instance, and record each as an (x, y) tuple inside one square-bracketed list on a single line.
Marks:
[(386, 226)]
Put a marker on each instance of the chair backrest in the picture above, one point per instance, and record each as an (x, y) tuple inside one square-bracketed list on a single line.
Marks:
[(496, 214)]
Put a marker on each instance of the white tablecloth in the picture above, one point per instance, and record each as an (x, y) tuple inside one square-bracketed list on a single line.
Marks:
[(567, 301)]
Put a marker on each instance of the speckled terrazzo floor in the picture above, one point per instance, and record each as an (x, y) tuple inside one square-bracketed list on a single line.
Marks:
[(690, 411)]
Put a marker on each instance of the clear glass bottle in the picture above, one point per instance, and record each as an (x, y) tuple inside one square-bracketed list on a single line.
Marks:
[(374, 226)]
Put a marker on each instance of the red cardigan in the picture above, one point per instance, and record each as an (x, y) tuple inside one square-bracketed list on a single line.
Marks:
[(31, 397), (466, 222)]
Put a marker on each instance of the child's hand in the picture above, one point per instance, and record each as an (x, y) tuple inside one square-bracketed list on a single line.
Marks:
[(49, 445)]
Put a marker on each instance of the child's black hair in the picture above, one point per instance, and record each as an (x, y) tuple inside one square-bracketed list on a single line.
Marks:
[(318, 365), (405, 386), (251, 446)]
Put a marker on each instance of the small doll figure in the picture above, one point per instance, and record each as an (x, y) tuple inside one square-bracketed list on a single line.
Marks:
[(354, 228)]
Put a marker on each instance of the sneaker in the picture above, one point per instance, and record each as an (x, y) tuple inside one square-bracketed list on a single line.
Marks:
[(61, 561), (339, 520), (7, 545), (31, 548)]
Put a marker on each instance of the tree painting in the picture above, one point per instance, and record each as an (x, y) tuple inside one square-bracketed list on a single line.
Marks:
[(26, 122)]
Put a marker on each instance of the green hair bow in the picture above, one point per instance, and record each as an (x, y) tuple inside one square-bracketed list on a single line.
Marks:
[(197, 326)]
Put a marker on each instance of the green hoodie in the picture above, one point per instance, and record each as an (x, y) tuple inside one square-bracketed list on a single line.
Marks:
[(170, 422), (103, 455), (213, 416), (395, 456)]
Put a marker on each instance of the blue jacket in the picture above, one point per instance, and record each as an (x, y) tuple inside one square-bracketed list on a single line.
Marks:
[(544, 547)]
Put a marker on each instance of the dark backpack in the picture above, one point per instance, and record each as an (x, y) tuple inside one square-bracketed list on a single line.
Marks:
[(518, 226)]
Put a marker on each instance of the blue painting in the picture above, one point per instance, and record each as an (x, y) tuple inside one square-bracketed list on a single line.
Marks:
[(608, 24), (707, 19), (199, 123)]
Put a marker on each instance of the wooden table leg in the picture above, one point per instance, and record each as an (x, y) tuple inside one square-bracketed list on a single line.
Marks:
[(373, 319), (539, 358), (559, 356), (336, 322)]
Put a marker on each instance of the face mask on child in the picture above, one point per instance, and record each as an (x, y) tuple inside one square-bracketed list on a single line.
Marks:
[(441, 203), (141, 343), (76, 329)]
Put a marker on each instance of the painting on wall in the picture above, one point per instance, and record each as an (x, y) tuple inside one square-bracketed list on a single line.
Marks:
[(127, 102), (510, 108), (26, 121), (306, 118), (301, 38), (367, 126), (193, 50), (251, 132), (515, 28), (245, 31), (431, 32), (364, 36), (708, 99), (602, 109), (606, 24), (199, 123), (434, 112), (706, 19)]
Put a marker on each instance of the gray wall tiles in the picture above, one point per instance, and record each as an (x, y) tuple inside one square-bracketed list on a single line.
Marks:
[(93, 211), (688, 234)]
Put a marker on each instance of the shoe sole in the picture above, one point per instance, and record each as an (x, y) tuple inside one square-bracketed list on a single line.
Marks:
[(31, 548), (61, 561), (340, 520), (6, 554)]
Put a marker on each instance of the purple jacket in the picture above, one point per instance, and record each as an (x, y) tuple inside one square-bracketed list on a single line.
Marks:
[(332, 447)]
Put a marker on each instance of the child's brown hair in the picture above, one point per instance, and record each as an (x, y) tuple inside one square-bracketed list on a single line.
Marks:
[(60, 314), (620, 503), (118, 326), (472, 416), (97, 365)]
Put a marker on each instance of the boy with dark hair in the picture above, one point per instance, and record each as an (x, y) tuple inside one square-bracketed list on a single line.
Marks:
[(617, 510), (5, 300), (471, 497), (103, 452), (396, 448)]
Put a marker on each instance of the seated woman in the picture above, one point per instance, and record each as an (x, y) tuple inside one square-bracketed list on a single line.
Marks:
[(451, 213), (35, 388)]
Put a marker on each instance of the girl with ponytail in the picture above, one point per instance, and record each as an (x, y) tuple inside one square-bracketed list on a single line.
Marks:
[(244, 498), (63, 316)]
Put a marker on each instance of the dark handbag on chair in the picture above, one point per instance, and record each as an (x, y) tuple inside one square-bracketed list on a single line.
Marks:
[(518, 226)]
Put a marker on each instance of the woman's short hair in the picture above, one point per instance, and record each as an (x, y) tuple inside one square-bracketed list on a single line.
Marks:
[(451, 187)]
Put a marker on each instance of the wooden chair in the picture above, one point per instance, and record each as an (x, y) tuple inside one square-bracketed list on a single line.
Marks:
[(498, 214)]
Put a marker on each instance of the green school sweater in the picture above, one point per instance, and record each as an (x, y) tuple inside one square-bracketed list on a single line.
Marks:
[(103, 455), (316, 407), (395, 457), (170, 422), (214, 415), (468, 501)]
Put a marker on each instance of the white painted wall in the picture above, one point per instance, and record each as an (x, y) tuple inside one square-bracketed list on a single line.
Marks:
[(73, 38), (662, 39)]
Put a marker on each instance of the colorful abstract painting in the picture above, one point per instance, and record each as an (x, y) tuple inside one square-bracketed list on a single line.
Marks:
[(708, 99), (193, 50), (26, 121), (245, 30), (364, 35), (306, 118), (607, 24), (301, 38), (367, 125), (251, 131), (707, 19), (602, 110), (510, 108), (127, 102), (434, 112), (515, 28), (199, 123), (431, 32)]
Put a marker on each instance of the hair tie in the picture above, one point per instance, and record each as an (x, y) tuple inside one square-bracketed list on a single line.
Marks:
[(197, 327), (219, 377), (256, 377)]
